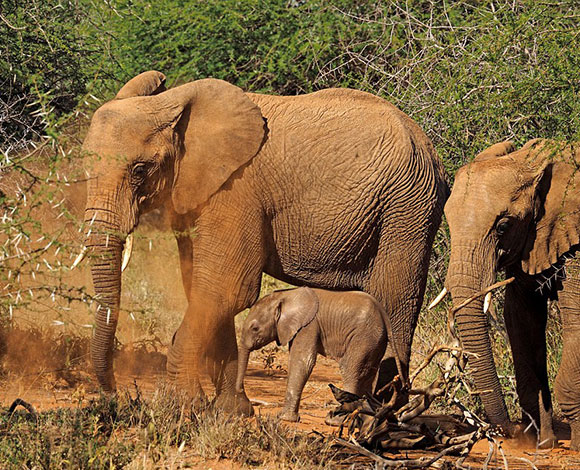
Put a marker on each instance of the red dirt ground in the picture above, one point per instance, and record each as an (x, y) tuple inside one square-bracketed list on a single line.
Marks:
[(266, 388)]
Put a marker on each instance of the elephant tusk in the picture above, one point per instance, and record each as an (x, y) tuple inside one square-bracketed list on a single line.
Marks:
[(438, 299), (80, 257), (127, 252), (486, 302)]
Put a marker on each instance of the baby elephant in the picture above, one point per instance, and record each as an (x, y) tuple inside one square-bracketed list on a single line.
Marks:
[(346, 326)]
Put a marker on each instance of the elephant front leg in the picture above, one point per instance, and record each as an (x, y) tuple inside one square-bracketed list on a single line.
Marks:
[(225, 279), (222, 365), (525, 317), (206, 342), (567, 386), (181, 229), (302, 359), (186, 376)]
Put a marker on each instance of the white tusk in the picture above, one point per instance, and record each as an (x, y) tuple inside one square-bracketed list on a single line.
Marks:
[(486, 302), (127, 252), (80, 257), (438, 299)]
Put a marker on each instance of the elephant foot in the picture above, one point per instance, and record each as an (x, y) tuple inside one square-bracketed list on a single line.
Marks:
[(546, 440), (199, 401), (575, 438), (234, 403), (288, 415), (187, 382), (334, 420)]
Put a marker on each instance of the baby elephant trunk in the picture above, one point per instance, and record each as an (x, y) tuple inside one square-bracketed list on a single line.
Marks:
[(243, 357)]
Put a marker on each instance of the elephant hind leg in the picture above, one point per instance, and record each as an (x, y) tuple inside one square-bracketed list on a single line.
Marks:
[(398, 283), (359, 367)]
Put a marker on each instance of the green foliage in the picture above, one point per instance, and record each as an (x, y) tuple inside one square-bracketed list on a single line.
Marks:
[(64, 438), (470, 73), (43, 67)]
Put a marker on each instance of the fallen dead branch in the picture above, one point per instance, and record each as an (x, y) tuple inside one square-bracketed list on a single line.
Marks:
[(374, 427), (27, 406)]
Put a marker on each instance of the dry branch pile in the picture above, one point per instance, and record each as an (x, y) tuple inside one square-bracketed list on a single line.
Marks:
[(374, 427)]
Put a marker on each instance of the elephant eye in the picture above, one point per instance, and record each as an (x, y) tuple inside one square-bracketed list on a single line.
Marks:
[(139, 170), (502, 227)]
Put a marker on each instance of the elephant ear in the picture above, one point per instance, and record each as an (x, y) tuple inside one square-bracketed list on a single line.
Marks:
[(496, 150), (557, 215), (221, 130), (145, 84), (297, 308)]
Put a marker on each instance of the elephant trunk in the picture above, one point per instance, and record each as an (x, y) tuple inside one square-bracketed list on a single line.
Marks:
[(472, 269), (105, 243), (243, 358)]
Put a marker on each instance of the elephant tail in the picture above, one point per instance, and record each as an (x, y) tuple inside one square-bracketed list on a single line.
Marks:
[(393, 343)]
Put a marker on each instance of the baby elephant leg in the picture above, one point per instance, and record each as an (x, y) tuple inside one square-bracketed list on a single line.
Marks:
[(302, 359), (359, 368)]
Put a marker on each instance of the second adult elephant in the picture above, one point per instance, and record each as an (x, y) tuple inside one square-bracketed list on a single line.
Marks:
[(336, 189), (518, 211)]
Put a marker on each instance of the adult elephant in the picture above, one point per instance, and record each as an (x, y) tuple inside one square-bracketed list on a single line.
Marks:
[(336, 189), (519, 211)]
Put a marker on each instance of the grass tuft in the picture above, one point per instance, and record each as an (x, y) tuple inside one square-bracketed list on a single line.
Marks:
[(166, 431)]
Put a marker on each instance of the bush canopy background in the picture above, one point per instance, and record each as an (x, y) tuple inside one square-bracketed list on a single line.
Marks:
[(471, 73)]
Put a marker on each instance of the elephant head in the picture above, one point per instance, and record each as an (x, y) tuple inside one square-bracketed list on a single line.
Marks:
[(508, 209), (277, 317), (150, 147)]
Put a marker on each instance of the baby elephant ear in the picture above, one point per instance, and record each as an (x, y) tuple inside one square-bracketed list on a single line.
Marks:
[(145, 84), (298, 307)]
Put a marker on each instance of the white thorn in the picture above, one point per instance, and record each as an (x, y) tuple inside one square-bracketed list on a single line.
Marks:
[(438, 299), (79, 258), (57, 323), (486, 302), (108, 315), (127, 252)]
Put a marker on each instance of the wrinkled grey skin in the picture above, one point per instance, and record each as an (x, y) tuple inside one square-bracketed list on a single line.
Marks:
[(346, 326), (336, 189), (517, 211)]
